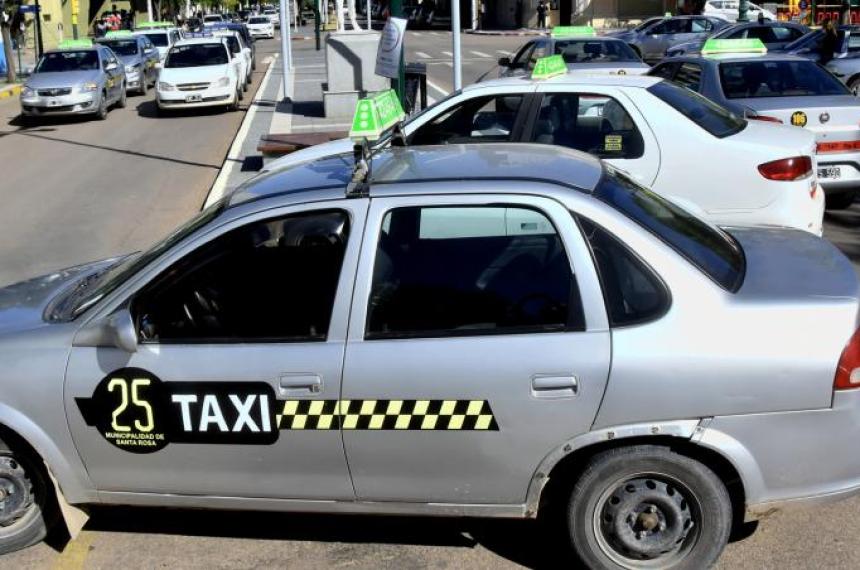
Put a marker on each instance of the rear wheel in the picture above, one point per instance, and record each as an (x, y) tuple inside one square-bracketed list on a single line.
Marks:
[(27, 506), (839, 201), (646, 507)]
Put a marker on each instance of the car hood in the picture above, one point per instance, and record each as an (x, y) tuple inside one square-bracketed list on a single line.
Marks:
[(622, 35), (208, 73), (130, 59), (22, 305), (62, 78)]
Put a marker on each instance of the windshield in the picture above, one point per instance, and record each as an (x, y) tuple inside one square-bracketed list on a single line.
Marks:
[(710, 249), (717, 120), (211, 18), (594, 51), (68, 61), (753, 79), (259, 20), (94, 288), (197, 55), (122, 47), (158, 39)]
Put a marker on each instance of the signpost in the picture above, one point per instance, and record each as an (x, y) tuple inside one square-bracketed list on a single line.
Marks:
[(286, 48), (458, 54), (389, 56)]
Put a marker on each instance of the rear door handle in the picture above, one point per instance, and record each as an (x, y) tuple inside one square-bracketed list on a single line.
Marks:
[(300, 382), (552, 386)]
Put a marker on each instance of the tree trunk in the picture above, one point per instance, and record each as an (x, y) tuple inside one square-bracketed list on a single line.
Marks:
[(10, 57)]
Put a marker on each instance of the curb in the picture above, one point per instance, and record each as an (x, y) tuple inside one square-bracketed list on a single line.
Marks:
[(10, 91)]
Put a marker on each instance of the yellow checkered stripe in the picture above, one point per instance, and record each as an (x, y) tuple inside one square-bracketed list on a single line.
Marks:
[(443, 415)]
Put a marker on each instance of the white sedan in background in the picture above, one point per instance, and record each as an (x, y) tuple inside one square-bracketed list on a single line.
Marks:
[(261, 27), (199, 72), (241, 53), (729, 170)]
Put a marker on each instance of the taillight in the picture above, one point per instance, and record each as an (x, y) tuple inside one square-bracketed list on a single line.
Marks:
[(787, 169), (848, 370), (765, 118), (837, 146)]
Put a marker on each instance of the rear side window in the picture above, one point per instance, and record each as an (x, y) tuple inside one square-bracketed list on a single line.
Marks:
[(482, 119), (632, 291), (753, 79), (702, 111), (689, 75), (710, 249), (462, 271)]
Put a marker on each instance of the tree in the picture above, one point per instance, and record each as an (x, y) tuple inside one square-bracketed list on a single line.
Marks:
[(7, 9)]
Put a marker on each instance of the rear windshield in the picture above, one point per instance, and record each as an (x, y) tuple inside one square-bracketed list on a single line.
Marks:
[(197, 55), (591, 51), (752, 79), (710, 249), (68, 61), (702, 111), (158, 39), (259, 20), (122, 47)]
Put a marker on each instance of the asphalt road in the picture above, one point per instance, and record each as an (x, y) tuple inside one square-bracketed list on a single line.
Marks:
[(72, 191)]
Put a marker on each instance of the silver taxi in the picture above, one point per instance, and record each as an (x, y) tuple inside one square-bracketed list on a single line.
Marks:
[(477, 330)]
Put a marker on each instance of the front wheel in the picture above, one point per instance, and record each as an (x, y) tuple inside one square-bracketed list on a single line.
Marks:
[(102, 111), (646, 507), (123, 98), (27, 508)]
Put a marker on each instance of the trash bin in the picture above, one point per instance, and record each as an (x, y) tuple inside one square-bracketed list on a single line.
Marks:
[(416, 86)]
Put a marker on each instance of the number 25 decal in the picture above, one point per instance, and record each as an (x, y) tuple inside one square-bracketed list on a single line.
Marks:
[(123, 385)]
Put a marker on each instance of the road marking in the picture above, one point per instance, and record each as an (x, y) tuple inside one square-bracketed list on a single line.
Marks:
[(416, 34), (422, 54), (74, 556), (448, 54), (481, 54), (503, 52), (232, 160), (432, 85), (434, 34), (448, 63)]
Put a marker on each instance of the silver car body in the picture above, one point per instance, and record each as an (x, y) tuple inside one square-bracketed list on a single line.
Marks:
[(141, 67), (162, 38), (753, 387), (652, 40)]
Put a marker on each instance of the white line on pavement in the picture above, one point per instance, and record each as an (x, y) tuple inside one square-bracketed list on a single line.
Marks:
[(441, 91), (232, 160), (434, 34), (481, 54), (422, 54), (416, 34), (448, 63), (502, 51), (448, 54)]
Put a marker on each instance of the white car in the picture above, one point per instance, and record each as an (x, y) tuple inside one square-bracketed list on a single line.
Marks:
[(730, 170), (199, 72), (242, 56), (162, 38), (728, 10), (261, 27), (274, 16)]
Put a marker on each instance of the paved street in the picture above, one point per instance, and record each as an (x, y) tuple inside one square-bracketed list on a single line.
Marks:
[(73, 191)]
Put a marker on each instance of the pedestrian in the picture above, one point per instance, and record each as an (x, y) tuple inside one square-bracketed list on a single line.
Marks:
[(760, 17), (100, 29), (541, 14), (829, 43)]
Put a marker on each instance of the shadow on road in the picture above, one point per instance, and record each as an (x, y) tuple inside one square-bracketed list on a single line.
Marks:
[(534, 544)]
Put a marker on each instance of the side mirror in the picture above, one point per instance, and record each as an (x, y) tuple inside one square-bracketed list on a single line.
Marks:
[(504, 62), (123, 331), (111, 67)]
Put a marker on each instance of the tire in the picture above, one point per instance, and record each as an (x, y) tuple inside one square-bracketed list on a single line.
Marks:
[(234, 106), (144, 86), (240, 92), (102, 112), (840, 201), (33, 512), (123, 99), (678, 505)]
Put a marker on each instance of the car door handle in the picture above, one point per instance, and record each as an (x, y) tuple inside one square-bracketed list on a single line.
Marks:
[(551, 386), (290, 382)]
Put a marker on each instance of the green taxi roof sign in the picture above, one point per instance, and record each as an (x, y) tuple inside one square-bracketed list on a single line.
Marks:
[(70, 44), (748, 45), (149, 25), (374, 115), (119, 34), (547, 67), (567, 31)]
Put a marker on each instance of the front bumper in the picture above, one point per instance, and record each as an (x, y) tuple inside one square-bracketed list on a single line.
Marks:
[(72, 104), (848, 164), (211, 97), (134, 79), (788, 459)]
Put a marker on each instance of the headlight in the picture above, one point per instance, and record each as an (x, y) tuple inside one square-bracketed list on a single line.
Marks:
[(132, 68), (89, 86), (162, 86), (223, 82), (27, 91)]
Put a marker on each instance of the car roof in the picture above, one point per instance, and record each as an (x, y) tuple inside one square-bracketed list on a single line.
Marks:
[(574, 80), (747, 57), (195, 41), (488, 161)]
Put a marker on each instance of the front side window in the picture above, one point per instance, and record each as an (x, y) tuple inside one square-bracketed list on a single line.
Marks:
[(522, 57), (701, 25), (594, 51), (681, 26), (596, 124), (482, 119), (273, 280), (539, 52), (752, 79), (708, 248), (701, 110), (460, 271)]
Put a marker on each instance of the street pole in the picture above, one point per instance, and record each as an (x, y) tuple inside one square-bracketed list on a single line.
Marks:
[(743, 7), (286, 56), (149, 10), (75, 11), (40, 46), (455, 31), (369, 25)]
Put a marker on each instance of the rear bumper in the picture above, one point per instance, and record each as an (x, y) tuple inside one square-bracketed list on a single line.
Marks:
[(789, 459), (849, 170)]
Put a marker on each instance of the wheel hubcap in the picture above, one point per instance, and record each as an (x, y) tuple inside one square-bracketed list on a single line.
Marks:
[(15, 491), (645, 520)]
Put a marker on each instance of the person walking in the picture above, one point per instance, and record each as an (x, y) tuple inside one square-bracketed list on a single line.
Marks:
[(829, 43), (542, 9)]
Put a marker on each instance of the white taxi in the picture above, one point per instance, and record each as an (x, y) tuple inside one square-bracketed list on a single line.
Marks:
[(242, 56), (199, 72), (730, 170), (261, 27)]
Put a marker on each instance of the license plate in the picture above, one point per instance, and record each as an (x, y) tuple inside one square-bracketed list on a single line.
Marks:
[(193, 98), (830, 172)]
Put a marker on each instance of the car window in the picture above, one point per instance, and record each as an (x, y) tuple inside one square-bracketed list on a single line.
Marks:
[(853, 42), (700, 25), (763, 33), (595, 124), (68, 61), (680, 26), (702, 111), (753, 79), (522, 56), (123, 47), (689, 75), (594, 51), (481, 119), (269, 280), (632, 291), (458, 271), (540, 50), (784, 34), (158, 39), (197, 55), (664, 70), (707, 247)]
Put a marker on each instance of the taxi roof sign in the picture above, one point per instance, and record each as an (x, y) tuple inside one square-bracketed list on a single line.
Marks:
[(374, 115), (748, 45), (70, 44), (547, 67), (150, 25), (567, 31), (119, 34)]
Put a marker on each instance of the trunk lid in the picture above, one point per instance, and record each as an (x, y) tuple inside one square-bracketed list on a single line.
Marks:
[(830, 118)]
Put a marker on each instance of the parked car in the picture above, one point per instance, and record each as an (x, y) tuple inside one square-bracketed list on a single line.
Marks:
[(729, 10), (846, 61), (261, 27), (200, 72), (653, 39), (138, 56), (774, 35)]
